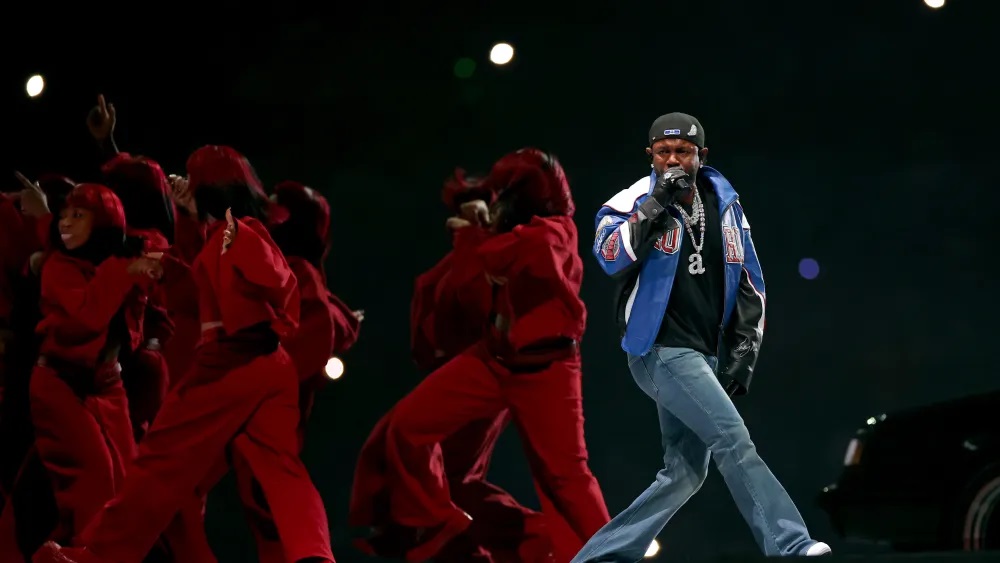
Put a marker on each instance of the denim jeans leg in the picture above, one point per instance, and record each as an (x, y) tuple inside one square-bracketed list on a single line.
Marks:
[(689, 389), (685, 466)]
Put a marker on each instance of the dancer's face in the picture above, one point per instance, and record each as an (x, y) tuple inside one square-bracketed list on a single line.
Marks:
[(75, 226), (677, 152)]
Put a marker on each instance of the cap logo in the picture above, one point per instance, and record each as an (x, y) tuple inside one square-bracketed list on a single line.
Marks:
[(671, 131), (694, 130)]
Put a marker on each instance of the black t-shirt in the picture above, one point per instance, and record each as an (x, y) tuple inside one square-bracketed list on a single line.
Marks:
[(694, 311)]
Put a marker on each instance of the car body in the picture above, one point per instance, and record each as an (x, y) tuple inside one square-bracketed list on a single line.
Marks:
[(925, 478)]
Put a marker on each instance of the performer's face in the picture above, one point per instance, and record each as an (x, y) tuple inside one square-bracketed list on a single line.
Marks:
[(75, 226), (677, 152)]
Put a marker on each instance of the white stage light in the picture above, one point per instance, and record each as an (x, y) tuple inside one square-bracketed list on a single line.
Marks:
[(501, 53)]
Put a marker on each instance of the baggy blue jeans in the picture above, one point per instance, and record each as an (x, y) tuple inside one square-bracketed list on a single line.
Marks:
[(697, 420)]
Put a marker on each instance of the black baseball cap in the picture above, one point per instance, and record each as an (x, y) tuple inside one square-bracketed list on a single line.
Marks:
[(677, 126)]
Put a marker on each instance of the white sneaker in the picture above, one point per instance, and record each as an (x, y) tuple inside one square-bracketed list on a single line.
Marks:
[(818, 548)]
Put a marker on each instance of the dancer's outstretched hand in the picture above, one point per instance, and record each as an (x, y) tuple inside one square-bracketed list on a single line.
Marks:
[(230, 234)]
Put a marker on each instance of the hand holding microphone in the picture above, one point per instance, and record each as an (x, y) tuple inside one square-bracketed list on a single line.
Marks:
[(670, 185)]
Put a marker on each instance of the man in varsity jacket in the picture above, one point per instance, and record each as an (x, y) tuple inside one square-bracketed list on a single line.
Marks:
[(691, 291)]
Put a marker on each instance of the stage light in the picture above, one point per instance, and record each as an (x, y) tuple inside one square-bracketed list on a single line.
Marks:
[(35, 85), (934, 3), (501, 53), (653, 549), (334, 368), (808, 268), (465, 67)]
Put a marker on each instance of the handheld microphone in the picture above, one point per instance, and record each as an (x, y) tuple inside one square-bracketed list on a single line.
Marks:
[(670, 185), (675, 179)]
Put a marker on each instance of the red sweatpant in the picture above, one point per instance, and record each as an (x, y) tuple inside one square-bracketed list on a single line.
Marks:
[(255, 506), (253, 409), (30, 514), (84, 442), (547, 409), (502, 528), (146, 379)]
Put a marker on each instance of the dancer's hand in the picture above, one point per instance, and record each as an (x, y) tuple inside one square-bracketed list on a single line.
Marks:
[(496, 280), (35, 262), (230, 234), (359, 314), (101, 120), (476, 212), (147, 266), (34, 203), (180, 192), (455, 223)]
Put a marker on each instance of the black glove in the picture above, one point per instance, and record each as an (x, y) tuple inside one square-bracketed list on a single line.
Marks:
[(670, 185), (732, 388), (737, 368)]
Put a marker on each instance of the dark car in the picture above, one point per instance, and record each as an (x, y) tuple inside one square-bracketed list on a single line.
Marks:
[(926, 478)]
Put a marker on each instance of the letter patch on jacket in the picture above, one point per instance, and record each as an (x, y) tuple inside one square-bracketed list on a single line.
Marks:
[(601, 226), (669, 242), (734, 244), (612, 246)]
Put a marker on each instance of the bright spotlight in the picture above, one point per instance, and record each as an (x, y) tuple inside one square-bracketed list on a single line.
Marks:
[(35, 85), (501, 53), (653, 549), (334, 368), (934, 3)]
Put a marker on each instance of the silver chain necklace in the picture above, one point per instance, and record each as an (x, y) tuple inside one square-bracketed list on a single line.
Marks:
[(697, 265)]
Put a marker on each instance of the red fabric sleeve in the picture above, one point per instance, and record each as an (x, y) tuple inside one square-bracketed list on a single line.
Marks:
[(253, 263), (539, 249), (312, 344), (468, 237), (252, 249), (179, 287), (157, 323), (345, 325), (463, 298), (89, 303), (465, 268), (541, 262), (423, 346), (42, 226)]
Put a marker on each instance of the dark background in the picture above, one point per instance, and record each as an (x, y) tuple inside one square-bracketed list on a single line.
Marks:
[(858, 133)]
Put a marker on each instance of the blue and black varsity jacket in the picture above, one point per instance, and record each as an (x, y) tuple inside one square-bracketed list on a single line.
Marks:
[(638, 243)]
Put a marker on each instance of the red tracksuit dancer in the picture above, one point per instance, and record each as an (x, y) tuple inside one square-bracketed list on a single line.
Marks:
[(448, 313), (93, 296), (241, 392), (528, 362), (327, 328), (30, 513), (143, 189)]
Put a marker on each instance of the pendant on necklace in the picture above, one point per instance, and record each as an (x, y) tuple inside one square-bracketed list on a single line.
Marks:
[(696, 267)]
